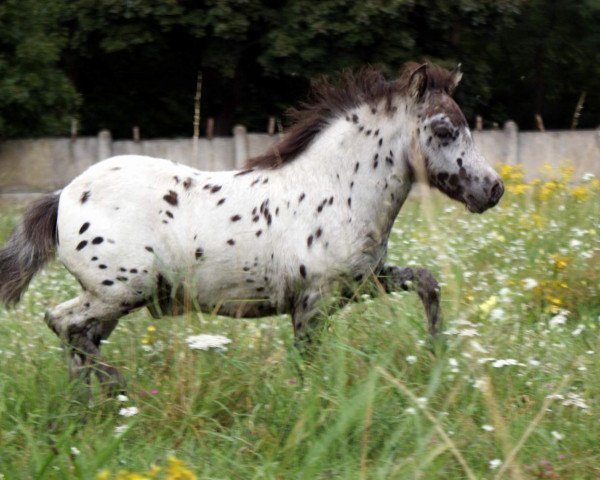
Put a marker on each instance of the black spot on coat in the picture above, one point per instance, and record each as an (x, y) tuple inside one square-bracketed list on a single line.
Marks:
[(303, 271), (84, 227), (171, 198)]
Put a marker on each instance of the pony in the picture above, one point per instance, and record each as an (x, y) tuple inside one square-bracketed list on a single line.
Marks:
[(309, 217)]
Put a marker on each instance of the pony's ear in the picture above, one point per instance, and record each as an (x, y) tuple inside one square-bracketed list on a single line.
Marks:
[(418, 82), (455, 77)]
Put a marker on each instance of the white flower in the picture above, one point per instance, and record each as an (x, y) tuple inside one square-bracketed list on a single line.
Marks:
[(477, 347), (129, 411), (588, 176), (410, 411), (495, 463), (75, 451), (453, 362), (479, 384), (122, 398), (558, 436), (411, 359), (575, 400), (558, 319), (422, 401), (488, 428), (468, 332), (204, 342), (574, 243), (503, 362), (580, 328), (497, 314), (529, 283), (121, 428)]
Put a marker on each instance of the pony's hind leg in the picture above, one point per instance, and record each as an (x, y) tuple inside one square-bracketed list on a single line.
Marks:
[(395, 278), (82, 323)]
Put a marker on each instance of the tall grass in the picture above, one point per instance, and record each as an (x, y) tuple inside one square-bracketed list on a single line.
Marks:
[(514, 394)]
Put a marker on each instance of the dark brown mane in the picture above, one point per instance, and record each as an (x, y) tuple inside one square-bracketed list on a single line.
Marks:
[(328, 100)]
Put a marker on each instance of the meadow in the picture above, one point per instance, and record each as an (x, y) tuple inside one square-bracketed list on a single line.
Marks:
[(513, 393)]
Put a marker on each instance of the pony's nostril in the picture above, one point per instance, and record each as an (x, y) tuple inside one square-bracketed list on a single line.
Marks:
[(497, 191)]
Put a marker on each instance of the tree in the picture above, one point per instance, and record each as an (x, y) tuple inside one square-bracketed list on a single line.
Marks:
[(36, 97)]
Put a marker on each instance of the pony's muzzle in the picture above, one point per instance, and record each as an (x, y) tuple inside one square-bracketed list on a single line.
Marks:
[(496, 193), (486, 199)]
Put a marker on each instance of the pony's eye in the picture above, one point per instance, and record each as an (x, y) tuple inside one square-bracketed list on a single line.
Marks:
[(443, 132)]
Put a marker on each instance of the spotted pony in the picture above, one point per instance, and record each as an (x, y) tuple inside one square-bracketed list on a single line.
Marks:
[(309, 218)]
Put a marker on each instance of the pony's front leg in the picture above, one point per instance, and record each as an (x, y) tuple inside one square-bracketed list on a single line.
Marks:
[(308, 320), (395, 278)]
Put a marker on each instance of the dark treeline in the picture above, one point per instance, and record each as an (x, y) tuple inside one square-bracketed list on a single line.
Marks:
[(118, 63)]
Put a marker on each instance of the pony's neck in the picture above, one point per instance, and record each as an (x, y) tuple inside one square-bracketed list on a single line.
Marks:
[(365, 154)]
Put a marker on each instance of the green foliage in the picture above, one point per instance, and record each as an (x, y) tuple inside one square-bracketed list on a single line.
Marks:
[(36, 97), (249, 413), (117, 63)]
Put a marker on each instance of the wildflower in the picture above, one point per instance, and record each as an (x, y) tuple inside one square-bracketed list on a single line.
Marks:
[(580, 193), (151, 328), (477, 347), (176, 470), (505, 362), (580, 328), (488, 428), (557, 436), (122, 398), (75, 451), (559, 319), (495, 463), (529, 283), (410, 411), (129, 411), (588, 177), (575, 400), (411, 359), (490, 303), (204, 342), (121, 429), (560, 262)]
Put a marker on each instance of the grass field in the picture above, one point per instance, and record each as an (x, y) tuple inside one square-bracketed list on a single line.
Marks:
[(515, 393)]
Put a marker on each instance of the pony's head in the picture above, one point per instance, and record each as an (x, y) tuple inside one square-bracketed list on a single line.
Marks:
[(452, 163)]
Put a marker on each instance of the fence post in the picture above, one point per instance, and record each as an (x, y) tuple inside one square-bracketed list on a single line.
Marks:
[(511, 132), (240, 145), (104, 145)]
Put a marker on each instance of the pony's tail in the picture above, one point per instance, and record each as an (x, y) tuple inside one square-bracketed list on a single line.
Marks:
[(31, 245)]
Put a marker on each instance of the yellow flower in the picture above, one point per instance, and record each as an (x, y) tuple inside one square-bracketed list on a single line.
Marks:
[(548, 170), (103, 475), (146, 340), (151, 328), (487, 306), (566, 172), (153, 472), (177, 471), (518, 189), (554, 301), (538, 220), (561, 262), (580, 193)]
